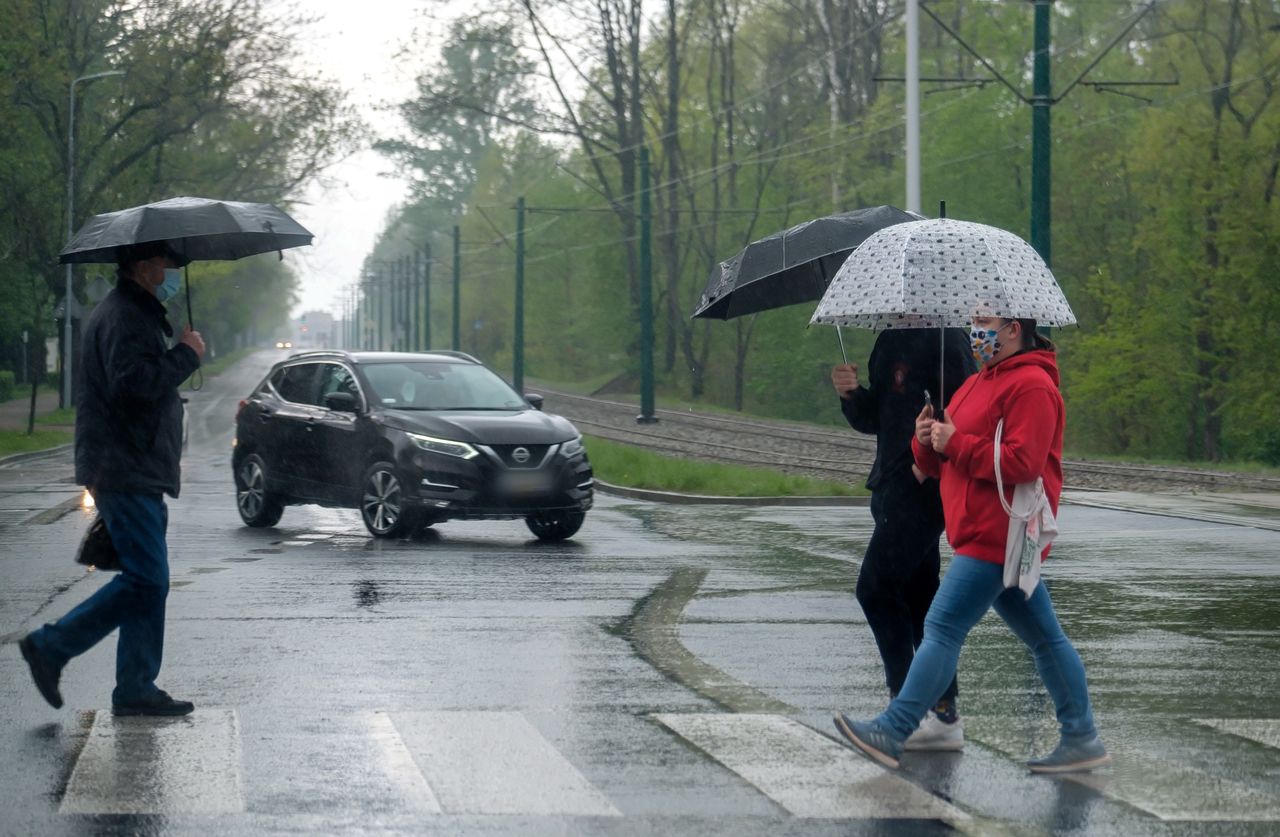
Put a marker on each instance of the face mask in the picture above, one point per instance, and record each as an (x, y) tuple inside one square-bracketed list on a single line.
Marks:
[(984, 342), (172, 282)]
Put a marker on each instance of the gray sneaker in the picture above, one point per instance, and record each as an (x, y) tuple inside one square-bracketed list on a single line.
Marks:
[(871, 739), (1072, 757)]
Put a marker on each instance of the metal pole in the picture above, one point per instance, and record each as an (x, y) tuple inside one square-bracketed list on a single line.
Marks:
[(646, 297), (381, 301), (71, 178), (913, 105), (457, 285), (517, 348), (426, 297), (1041, 104)]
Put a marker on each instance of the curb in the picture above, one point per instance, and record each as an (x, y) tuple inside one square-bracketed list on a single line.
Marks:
[(33, 454), (711, 499)]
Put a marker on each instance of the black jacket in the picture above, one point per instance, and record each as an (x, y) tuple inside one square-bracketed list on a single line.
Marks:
[(128, 413), (904, 363)]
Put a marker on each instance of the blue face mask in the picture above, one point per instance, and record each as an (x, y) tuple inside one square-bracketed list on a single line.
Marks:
[(171, 284)]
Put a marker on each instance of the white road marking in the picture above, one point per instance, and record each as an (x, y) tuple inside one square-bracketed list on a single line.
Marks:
[(398, 764), (187, 765), (496, 763), (1164, 789), (805, 772), (1263, 730)]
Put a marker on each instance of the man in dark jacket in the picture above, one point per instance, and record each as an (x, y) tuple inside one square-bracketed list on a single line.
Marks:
[(899, 573), (128, 448)]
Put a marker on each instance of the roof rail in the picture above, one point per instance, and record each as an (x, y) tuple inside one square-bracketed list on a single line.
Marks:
[(452, 353)]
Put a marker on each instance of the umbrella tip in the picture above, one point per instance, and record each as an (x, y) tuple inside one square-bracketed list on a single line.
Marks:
[(942, 209)]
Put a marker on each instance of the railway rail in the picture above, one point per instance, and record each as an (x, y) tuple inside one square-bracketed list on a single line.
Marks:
[(835, 453)]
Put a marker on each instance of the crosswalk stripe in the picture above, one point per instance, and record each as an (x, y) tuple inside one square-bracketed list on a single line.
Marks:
[(1262, 730), (496, 763), (1163, 789), (399, 766), (805, 772), (185, 765)]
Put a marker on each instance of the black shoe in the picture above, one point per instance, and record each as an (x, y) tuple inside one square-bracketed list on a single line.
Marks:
[(159, 704), (45, 673)]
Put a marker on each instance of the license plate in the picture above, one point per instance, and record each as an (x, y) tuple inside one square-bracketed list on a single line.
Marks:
[(517, 482)]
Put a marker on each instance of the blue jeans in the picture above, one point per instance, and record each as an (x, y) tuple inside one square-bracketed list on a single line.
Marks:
[(968, 590), (133, 601)]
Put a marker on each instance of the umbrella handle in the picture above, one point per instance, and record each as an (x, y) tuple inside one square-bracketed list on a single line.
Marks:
[(186, 281), (843, 353)]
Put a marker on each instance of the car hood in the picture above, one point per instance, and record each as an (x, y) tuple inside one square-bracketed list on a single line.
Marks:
[(486, 427)]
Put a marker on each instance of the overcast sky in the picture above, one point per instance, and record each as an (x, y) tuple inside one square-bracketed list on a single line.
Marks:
[(353, 43)]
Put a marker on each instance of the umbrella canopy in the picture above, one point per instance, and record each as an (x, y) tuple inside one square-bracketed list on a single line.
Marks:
[(196, 228), (940, 273), (791, 266)]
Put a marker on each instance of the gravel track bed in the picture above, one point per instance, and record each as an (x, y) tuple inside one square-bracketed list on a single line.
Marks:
[(829, 453)]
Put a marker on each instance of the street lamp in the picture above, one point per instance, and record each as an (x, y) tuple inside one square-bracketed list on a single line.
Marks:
[(71, 177)]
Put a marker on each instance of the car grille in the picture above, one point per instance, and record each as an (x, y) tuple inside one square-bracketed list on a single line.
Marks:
[(536, 454)]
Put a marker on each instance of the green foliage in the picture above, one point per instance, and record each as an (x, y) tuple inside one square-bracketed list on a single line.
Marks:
[(1165, 216), (637, 468), (8, 385)]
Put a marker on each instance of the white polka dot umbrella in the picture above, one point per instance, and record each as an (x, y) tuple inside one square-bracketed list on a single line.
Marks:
[(940, 273)]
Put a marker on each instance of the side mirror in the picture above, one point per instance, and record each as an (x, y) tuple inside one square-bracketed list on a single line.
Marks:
[(340, 402), (534, 400)]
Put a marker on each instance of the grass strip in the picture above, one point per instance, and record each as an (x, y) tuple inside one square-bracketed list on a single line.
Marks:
[(17, 441), (638, 468)]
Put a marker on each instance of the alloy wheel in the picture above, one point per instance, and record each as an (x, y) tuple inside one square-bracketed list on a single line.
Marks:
[(381, 503), (252, 495)]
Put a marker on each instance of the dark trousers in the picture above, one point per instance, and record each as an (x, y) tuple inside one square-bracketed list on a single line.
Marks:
[(899, 572), (133, 601)]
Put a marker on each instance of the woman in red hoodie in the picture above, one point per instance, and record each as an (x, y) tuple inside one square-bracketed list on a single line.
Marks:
[(1019, 383)]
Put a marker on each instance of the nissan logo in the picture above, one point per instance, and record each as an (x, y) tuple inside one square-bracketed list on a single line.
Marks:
[(520, 455)]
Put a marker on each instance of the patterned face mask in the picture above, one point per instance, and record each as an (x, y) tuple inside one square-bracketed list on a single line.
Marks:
[(984, 342)]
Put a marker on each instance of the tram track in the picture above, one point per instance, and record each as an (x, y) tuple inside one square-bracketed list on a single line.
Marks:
[(836, 454)]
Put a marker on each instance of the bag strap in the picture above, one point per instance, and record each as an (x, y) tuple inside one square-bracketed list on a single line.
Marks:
[(1000, 480)]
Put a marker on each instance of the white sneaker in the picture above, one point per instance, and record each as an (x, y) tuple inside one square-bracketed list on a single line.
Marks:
[(936, 734)]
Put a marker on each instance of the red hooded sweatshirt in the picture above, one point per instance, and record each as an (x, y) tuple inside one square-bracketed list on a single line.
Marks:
[(1023, 390)]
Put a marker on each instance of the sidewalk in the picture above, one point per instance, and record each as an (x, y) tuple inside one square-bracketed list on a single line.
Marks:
[(13, 413)]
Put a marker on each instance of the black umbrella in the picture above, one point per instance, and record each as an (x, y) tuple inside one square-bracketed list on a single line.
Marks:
[(791, 266), (193, 228), (196, 228)]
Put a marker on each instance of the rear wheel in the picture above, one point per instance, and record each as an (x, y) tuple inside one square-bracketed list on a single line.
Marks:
[(382, 503), (257, 506), (555, 524)]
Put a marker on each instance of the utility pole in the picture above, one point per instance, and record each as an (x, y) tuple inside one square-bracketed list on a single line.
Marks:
[(426, 298), (457, 285), (417, 300), (1041, 101), (646, 297), (517, 347), (1041, 151)]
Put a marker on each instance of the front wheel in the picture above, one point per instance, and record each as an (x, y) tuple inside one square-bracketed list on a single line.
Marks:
[(555, 524), (382, 503), (258, 507)]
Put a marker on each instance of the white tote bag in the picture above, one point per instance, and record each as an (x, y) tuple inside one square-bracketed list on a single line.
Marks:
[(1032, 527)]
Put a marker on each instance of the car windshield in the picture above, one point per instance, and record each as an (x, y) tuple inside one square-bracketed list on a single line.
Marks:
[(440, 385)]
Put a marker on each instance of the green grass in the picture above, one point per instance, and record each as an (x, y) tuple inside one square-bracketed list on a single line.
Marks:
[(17, 441), (636, 468), (59, 416), (223, 361), (1234, 467)]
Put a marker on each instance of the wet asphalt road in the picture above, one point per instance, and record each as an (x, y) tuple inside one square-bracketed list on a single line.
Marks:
[(671, 670)]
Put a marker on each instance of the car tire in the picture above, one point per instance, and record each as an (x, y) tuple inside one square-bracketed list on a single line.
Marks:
[(555, 524), (382, 504), (258, 507)]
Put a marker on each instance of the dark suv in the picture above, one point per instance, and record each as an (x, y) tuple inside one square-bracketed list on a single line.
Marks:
[(408, 439)]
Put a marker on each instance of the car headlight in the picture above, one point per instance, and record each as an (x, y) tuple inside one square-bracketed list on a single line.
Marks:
[(572, 448), (448, 447)]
